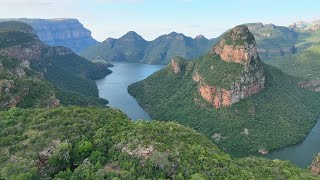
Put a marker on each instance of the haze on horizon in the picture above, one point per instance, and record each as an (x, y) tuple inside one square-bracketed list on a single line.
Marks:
[(152, 18)]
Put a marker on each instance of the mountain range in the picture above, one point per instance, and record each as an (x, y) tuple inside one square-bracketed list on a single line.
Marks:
[(272, 41), (60, 32), (131, 47)]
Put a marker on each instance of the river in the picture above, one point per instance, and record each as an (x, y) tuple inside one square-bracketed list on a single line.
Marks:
[(114, 88)]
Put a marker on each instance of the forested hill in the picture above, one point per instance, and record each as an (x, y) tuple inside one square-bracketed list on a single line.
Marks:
[(93, 143), (28, 65), (242, 104)]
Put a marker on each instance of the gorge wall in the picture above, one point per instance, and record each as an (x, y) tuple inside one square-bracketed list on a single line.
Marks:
[(60, 32)]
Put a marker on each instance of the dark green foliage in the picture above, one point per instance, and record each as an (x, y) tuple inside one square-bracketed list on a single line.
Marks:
[(96, 143), (281, 114), (72, 73), (224, 73), (13, 38), (15, 26)]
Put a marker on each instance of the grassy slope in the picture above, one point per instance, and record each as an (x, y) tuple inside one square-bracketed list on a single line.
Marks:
[(305, 64), (281, 114), (98, 135)]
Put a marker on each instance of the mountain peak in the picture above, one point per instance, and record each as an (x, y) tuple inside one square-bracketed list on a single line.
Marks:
[(200, 37), (132, 36), (237, 45)]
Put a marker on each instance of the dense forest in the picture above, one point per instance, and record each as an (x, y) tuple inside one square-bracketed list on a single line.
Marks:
[(102, 143)]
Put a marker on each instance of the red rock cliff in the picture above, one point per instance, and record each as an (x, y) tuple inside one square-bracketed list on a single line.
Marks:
[(237, 46)]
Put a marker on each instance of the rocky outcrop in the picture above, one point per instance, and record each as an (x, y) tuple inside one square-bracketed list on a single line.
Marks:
[(61, 32), (237, 46), (175, 66), (315, 166), (313, 85), (8, 99), (34, 51)]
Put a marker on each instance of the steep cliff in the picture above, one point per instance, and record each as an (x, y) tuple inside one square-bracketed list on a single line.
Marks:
[(236, 46), (133, 48), (232, 97), (315, 166), (60, 32)]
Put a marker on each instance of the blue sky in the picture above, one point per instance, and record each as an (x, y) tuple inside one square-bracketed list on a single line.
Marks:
[(151, 18)]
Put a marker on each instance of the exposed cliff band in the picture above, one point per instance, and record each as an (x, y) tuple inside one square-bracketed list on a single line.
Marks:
[(236, 46)]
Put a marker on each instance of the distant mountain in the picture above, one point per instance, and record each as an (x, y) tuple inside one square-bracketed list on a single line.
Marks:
[(231, 96), (28, 65), (60, 32), (272, 40), (133, 48), (306, 26)]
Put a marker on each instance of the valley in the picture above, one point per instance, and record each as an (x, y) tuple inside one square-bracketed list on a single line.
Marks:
[(242, 105)]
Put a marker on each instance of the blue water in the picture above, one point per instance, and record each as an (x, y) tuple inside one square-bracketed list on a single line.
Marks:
[(303, 153), (114, 87)]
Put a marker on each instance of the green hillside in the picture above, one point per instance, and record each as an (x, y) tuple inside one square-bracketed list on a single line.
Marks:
[(280, 115), (305, 65), (70, 76), (92, 143)]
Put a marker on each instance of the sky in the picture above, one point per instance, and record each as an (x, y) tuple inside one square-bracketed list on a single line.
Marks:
[(152, 18)]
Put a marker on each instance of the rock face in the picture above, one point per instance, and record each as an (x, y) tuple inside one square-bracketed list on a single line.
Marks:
[(61, 32), (313, 85), (237, 46), (315, 166)]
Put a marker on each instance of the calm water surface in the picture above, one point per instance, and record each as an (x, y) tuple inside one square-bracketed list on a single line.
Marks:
[(114, 87), (303, 153)]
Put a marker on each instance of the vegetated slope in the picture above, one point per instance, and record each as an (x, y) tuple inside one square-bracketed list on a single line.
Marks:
[(270, 112), (68, 72), (305, 64), (133, 48), (94, 143), (60, 32), (22, 87)]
